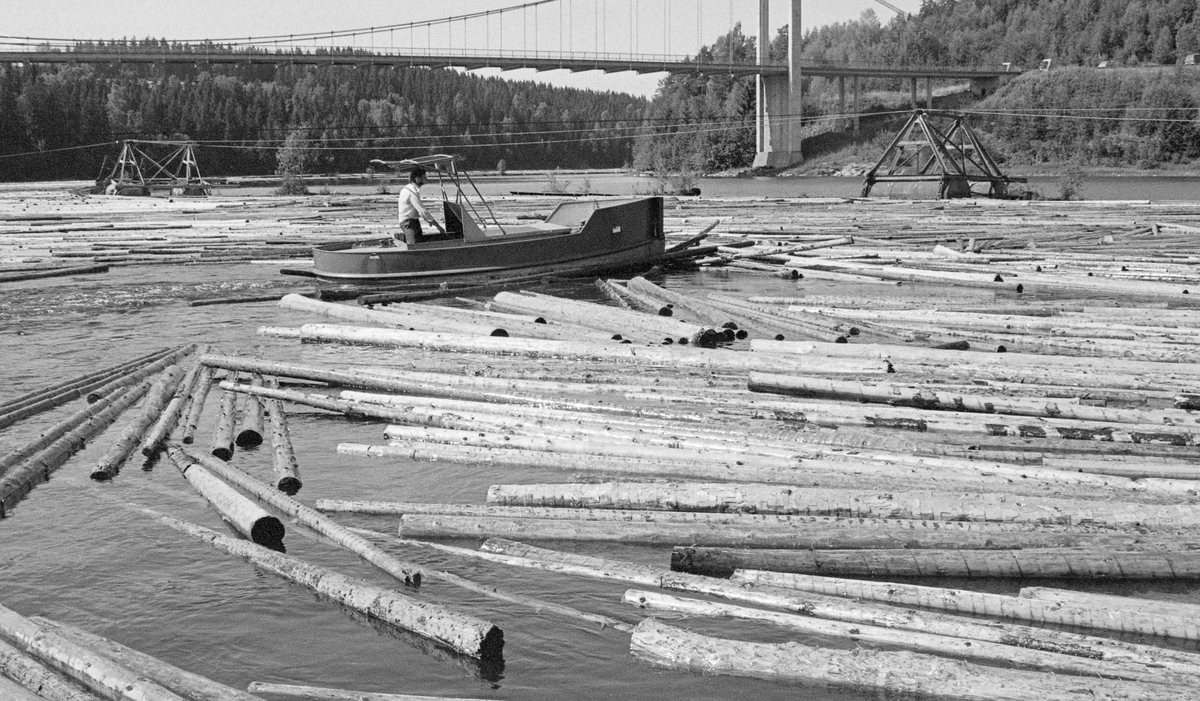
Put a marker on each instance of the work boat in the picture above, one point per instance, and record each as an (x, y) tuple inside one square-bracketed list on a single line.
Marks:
[(589, 236)]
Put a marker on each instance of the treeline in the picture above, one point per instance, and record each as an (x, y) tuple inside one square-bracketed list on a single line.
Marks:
[(64, 121), (1129, 116), (1024, 32), (1116, 117)]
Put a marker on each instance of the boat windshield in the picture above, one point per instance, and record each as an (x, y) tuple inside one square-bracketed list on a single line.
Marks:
[(451, 178)]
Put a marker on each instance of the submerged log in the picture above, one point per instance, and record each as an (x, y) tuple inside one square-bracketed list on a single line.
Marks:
[(24, 476), (403, 571), (250, 519), (834, 608), (981, 604), (50, 435), (169, 419), (465, 634), (181, 681), (1060, 563), (195, 405), (141, 373), (96, 672), (77, 383), (961, 648), (914, 675), (132, 434)]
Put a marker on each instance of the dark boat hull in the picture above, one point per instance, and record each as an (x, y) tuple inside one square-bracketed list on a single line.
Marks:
[(602, 234)]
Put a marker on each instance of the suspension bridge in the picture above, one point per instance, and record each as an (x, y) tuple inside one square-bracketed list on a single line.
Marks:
[(625, 36)]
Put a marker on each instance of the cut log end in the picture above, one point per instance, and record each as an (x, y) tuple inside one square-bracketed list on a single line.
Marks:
[(288, 485), (223, 452), (248, 439), (268, 532)]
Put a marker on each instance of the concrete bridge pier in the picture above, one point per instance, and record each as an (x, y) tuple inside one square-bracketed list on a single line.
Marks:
[(780, 108)]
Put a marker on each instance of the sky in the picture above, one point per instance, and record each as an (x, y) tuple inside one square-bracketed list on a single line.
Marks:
[(651, 27)]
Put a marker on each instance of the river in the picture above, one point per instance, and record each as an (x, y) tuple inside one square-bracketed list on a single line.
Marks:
[(85, 553)]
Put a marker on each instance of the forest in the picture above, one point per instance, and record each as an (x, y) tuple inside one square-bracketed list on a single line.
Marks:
[(60, 122), (66, 122)]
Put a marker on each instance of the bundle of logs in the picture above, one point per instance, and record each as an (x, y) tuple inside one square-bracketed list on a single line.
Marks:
[(805, 456)]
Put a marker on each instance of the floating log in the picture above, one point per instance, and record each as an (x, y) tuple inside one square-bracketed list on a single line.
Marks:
[(460, 632), (533, 348), (914, 675), (31, 675), (930, 398), (835, 414), (60, 272), (407, 317), (250, 433), (611, 319), (46, 401), (1059, 563), (181, 681), (24, 476), (283, 457), (96, 672), (141, 373), (696, 307), (519, 599), (834, 608), (764, 498), (12, 691), (195, 403), (1130, 605), (960, 648), (758, 530), (250, 519), (76, 382), (401, 415), (755, 534), (50, 435), (1177, 627), (403, 571), (167, 421), (131, 435), (223, 439)]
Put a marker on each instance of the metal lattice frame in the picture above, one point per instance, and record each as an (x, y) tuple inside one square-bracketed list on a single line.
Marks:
[(954, 159)]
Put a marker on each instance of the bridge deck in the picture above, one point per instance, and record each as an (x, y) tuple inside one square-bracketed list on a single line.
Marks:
[(606, 64)]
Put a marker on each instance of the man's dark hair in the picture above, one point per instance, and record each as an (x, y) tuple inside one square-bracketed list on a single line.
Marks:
[(417, 172)]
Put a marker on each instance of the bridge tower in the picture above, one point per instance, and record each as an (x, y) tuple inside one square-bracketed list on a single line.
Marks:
[(779, 101)]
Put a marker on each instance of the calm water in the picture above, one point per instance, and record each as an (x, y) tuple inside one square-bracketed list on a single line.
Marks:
[(80, 552), (1156, 188)]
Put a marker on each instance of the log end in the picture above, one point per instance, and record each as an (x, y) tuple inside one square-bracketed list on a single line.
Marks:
[(248, 438), (288, 485), (223, 452), (268, 532)]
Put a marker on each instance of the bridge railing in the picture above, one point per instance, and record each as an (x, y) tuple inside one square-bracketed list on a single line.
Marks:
[(312, 51)]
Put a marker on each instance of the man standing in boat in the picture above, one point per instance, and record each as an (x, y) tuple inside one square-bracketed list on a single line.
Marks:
[(412, 211)]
